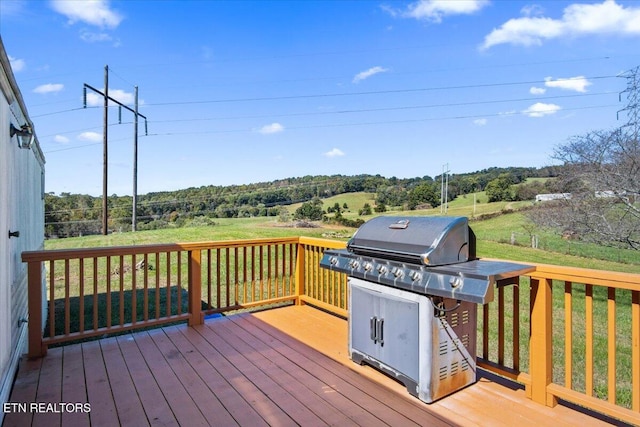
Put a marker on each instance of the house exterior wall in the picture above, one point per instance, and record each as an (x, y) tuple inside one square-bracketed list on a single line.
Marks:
[(21, 210)]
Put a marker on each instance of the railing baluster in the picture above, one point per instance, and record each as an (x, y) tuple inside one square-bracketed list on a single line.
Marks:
[(52, 298), (121, 288), (95, 293), (501, 327), (516, 326), (635, 350), (81, 294), (611, 344), (253, 273), (157, 255), (146, 287), (209, 289), (218, 285), (109, 306), (268, 294), (134, 302), (589, 340), (485, 331), (227, 277), (179, 283), (235, 276), (568, 335), (261, 270), (245, 282), (276, 265), (168, 285), (67, 308)]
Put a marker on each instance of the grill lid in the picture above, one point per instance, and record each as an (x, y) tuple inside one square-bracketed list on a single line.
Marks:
[(419, 240)]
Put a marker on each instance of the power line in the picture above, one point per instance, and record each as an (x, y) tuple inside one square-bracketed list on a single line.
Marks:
[(366, 123), (378, 92)]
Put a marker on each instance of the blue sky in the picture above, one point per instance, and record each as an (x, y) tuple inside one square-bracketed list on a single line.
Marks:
[(239, 92)]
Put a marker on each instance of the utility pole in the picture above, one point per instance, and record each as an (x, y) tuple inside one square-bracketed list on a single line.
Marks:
[(444, 188), (105, 124), (135, 163), (107, 98), (633, 101)]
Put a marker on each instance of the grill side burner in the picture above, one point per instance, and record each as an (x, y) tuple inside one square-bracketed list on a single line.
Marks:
[(414, 285)]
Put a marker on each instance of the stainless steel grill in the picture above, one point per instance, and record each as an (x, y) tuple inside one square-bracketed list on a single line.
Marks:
[(414, 286)]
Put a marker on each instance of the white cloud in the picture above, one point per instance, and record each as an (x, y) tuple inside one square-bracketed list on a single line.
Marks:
[(336, 152), (92, 12), (532, 10), (537, 90), (91, 37), (127, 98), (90, 136), (540, 109), (480, 122), (272, 128), (368, 73), (607, 17), (16, 64), (49, 88), (578, 84), (61, 139), (435, 10)]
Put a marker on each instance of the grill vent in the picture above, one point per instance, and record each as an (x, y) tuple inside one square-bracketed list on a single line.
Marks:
[(454, 368), (444, 371), (465, 340), (454, 320), (444, 348), (465, 317)]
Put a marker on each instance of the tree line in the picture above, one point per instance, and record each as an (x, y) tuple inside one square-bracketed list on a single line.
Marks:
[(68, 214)]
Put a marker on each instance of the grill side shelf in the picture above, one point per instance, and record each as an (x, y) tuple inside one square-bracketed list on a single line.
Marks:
[(471, 281)]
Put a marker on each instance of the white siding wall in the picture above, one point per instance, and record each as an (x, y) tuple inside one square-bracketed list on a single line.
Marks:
[(22, 210)]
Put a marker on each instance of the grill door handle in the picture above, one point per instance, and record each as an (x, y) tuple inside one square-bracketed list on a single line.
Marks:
[(372, 328), (380, 331)]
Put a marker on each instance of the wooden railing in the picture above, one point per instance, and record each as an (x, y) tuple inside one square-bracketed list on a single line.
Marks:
[(564, 333)]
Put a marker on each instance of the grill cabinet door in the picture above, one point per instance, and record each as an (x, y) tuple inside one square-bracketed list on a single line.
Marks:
[(385, 327)]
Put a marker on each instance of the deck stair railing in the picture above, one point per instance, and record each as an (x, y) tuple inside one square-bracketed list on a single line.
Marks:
[(563, 333)]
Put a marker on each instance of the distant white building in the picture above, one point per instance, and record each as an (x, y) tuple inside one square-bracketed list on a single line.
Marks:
[(21, 220), (552, 196)]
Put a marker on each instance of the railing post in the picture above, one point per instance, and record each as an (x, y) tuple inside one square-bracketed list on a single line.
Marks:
[(34, 294), (195, 288), (540, 343), (300, 272)]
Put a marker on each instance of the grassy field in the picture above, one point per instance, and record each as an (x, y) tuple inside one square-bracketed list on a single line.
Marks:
[(506, 235)]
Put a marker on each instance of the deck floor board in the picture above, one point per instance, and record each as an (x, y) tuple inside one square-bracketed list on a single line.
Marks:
[(282, 367)]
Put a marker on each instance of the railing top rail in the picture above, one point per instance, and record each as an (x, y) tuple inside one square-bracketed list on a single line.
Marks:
[(62, 254), (607, 278), (325, 243), (589, 276)]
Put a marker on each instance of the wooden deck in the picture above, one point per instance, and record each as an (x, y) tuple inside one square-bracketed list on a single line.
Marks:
[(287, 366)]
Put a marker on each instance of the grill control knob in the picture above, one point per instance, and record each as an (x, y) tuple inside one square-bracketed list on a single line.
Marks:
[(354, 264), (397, 272), (382, 269), (333, 260), (455, 282), (367, 266), (415, 276)]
